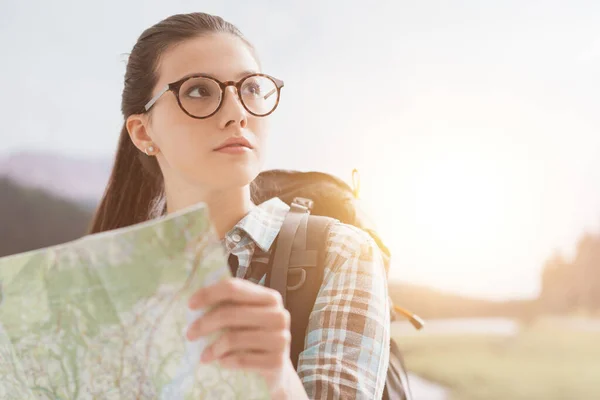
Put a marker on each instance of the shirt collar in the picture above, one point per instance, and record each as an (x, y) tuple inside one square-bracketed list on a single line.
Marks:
[(262, 224)]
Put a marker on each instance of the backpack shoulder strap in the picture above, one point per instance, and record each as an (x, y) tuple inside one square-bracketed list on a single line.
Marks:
[(291, 239), (301, 299), (297, 266)]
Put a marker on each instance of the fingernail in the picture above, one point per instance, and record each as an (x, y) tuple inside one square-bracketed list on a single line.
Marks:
[(191, 335), (192, 303)]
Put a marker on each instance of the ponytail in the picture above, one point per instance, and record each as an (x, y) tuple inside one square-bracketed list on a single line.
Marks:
[(134, 189)]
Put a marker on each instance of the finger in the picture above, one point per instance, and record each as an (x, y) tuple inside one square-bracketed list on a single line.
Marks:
[(230, 316), (243, 340), (251, 361), (234, 290)]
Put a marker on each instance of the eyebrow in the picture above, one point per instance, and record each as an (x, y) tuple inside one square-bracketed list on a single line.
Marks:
[(239, 76)]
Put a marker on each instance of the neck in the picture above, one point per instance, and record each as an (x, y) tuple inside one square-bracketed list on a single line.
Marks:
[(226, 207)]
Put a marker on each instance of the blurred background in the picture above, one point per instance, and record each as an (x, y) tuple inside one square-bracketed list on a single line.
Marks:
[(475, 126)]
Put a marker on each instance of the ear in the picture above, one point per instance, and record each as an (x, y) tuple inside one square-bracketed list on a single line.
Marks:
[(136, 127)]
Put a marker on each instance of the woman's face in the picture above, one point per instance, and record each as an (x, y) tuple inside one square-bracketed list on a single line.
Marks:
[(190, 150)]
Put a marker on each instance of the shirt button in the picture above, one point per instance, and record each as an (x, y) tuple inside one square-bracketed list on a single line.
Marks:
[(236, 238)]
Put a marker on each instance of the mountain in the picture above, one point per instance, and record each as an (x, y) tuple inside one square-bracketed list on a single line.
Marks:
[(33, 218), (78, 179)]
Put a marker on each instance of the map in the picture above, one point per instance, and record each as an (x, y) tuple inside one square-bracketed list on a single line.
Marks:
[(104, 317)]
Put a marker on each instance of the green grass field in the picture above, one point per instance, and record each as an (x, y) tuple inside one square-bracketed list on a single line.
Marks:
[(544, 361)]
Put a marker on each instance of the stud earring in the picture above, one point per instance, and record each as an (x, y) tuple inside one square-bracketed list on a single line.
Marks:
[(149, 150)]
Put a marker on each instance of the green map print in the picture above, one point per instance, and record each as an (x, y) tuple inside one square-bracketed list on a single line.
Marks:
[(104, 317)]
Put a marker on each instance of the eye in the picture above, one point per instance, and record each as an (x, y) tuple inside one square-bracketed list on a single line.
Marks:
[(199, 92), (253, 88)]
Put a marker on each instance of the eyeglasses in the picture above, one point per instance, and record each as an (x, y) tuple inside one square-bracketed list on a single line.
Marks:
[(201, 96)]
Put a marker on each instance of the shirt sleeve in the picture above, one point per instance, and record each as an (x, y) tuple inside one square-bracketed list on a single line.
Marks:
[(346, 351)]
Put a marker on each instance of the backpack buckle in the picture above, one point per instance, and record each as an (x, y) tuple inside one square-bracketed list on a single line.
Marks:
[(302, 203), (293, 271)]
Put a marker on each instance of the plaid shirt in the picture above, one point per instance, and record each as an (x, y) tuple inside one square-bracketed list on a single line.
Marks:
[(346, 350)]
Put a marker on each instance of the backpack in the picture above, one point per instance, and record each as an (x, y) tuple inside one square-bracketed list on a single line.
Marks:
[(317, 200)]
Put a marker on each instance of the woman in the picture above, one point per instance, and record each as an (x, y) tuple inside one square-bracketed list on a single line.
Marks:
[(196, 109)]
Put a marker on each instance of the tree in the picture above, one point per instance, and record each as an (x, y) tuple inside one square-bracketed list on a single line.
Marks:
[(573, 286), (587, 273), (559, 290)]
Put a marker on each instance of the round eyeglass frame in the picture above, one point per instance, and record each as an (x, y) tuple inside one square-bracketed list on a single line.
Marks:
[(176, 86)]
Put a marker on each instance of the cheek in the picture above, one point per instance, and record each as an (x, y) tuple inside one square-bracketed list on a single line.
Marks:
[(181, 139), (179, 136)]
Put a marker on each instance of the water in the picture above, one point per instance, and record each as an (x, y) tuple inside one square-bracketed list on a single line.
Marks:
[(422, 389)]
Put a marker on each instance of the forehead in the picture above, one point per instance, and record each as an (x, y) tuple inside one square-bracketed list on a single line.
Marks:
[(221, 55)]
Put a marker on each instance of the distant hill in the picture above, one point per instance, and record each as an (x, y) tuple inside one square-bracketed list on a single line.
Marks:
[(431, 303), (77, 179), (33, 218)]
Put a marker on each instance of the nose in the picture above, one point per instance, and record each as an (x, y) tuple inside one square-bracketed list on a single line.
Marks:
[(232, 111)]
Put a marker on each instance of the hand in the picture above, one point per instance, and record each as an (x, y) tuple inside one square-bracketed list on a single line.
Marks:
[(256, 330)]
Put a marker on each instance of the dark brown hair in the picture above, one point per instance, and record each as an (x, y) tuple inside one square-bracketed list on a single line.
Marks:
[(135, 185)]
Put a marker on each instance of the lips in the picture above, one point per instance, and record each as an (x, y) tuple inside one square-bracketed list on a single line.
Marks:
[(235, 142), (231, 145)]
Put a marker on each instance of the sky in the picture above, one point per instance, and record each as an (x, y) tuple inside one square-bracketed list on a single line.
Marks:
[(475, 125)]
